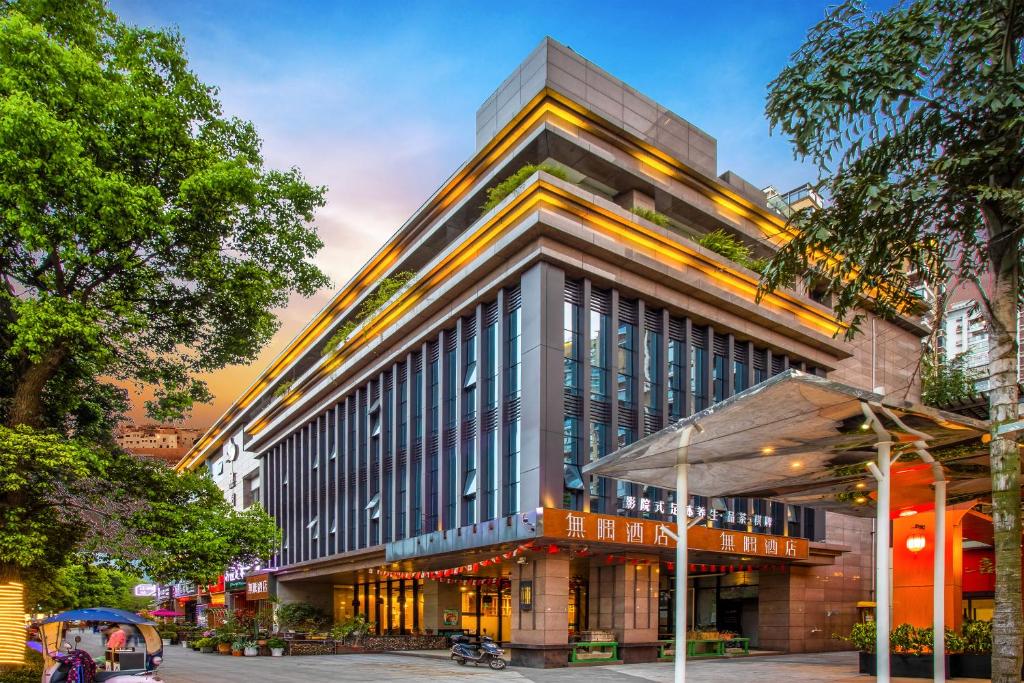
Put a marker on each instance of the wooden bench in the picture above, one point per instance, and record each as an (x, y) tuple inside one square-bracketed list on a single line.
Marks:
[(583, 652)]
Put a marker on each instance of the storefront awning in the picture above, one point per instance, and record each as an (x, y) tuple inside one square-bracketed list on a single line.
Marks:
[(801, 439)]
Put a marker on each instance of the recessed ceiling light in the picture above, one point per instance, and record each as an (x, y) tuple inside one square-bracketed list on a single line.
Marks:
[(908, 513), (861, 485)]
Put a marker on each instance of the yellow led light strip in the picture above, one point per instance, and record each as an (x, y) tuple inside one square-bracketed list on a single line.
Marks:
[(547, 105), (12, 623), (604, 221)]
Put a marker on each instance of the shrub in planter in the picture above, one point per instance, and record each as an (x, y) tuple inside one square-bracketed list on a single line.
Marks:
[(276, 646), (224, 641), (249, 648), (975, 658), (301, 616), (206, 644), (237, 648)]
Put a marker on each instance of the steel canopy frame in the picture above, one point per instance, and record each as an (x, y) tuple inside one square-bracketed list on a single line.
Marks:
[(650, 460)]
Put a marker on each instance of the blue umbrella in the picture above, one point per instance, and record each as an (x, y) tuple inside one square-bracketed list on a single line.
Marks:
[(119, 616)]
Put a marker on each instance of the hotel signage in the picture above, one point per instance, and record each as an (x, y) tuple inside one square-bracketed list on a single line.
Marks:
[(257, 587), (661, 507), (650, 534)]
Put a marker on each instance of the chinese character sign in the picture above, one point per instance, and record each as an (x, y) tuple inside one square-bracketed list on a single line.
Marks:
[(587, 527)]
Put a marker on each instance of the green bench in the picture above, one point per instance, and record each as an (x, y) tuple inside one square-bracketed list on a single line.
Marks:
[(740, 643), (711, 647), (583, 652)]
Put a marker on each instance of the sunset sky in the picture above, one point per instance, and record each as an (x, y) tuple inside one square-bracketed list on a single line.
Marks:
[(378, 102)]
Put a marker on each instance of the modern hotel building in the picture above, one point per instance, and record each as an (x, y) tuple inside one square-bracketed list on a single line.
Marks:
[(426, 471)]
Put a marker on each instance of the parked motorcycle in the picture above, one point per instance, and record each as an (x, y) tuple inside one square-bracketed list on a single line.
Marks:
[(486, 651)]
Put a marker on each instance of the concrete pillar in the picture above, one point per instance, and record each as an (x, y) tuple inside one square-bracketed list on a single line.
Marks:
[(624, 599), (540, 636), (438, 597), (542, 424)]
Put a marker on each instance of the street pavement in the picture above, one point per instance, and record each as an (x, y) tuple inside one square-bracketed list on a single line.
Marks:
[(186, 666)]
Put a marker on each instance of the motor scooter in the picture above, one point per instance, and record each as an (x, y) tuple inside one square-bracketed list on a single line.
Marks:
[(57, 664), (486, 651)]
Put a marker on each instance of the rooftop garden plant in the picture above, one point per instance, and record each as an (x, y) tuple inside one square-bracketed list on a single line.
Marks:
[(725, 244), (382, 293), (508, 185), (651, 215)]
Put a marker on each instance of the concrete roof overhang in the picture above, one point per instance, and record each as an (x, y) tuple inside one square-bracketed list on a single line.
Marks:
[(802, 439)]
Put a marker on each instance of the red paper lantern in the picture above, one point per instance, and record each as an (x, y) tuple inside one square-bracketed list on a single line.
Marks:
[(552, 550)]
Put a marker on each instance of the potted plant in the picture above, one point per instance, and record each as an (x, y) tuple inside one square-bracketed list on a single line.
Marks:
[(250, 648), (862, 637), (276, 646), (237, 647), (224, 641), (206, 644), (975, 653), (168, 633)]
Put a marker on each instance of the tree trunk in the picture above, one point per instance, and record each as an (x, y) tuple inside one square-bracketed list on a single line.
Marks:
[(1005, 462), (26, 409), (27, 403)]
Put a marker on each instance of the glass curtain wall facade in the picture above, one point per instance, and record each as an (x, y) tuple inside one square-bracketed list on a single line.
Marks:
[(665, 368), (424, 445)]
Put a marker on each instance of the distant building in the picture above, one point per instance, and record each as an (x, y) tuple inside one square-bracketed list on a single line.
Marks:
[(966, 333), (788, 203), (156, 441)]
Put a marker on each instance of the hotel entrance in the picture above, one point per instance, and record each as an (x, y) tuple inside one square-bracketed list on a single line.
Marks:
[(486, 610)]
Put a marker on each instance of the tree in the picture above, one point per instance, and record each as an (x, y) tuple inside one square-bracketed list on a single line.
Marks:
[(915, 119), (106, 509), (85, 584), (142, 242)]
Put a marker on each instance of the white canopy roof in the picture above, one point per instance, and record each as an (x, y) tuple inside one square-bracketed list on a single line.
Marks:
[(800, 438)]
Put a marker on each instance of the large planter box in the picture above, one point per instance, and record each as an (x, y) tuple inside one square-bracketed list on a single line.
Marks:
[(970, 666), (906, 666)]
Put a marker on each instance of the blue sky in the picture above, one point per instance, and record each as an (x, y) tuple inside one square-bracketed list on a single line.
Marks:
[(378, 100)]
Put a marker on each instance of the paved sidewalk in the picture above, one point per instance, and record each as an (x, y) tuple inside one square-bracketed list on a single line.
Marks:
[(186, 666)]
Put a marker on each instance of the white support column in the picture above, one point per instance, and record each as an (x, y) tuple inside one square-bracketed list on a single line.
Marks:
[(682, 563), (939, 564), (939, 594), (881, 471), (682, 567)]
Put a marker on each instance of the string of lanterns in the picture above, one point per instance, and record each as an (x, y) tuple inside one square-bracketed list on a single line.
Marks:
[(452, 573)]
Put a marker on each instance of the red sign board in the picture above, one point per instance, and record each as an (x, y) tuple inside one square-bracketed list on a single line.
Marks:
[(979, 570)]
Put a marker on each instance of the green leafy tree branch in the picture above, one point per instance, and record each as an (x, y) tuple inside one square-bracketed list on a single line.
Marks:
[(914, 117)]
